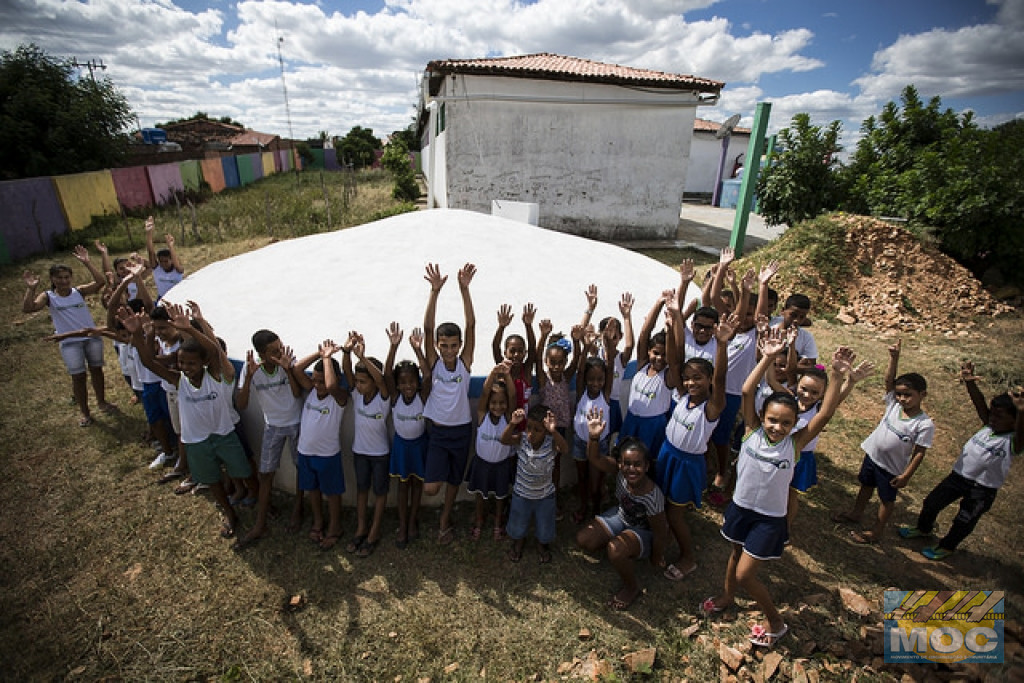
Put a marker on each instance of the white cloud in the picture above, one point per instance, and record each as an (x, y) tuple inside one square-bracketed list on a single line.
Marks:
[(974, 60)]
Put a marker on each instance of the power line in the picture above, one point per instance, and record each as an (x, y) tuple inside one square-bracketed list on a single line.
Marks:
[(91, 65)]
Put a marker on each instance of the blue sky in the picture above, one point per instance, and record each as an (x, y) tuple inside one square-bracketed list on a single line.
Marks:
[(358, 63)]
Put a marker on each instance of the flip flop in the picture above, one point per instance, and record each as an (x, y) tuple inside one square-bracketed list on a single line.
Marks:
[(707, 607), (674, 573), (545, 557), (169, 477), (863, 537), (763, 638), (367, 548), (316, 535), (514, 555), (85, 422), (227, 529), (618, 604), (843, 518), (184, 487), (355, 544), (329, 541), (446, 536)]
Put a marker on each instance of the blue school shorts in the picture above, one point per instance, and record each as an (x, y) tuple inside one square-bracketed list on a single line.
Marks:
[(761, 536), (154, 403), (805, 472), (875, 476), (727, 420), (321, 473), (681, 476), (448, 453)]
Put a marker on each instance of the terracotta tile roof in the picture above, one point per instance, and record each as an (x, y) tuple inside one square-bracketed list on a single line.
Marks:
[(252, 137), (705, 126), (557, 67)]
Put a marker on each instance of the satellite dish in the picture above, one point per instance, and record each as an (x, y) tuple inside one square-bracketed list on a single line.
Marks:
[(726, 128)]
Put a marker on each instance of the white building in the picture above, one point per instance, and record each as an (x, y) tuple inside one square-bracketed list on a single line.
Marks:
[(706, 153), (602, 149)]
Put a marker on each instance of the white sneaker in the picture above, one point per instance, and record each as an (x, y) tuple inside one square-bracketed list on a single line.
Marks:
[(160, 460)]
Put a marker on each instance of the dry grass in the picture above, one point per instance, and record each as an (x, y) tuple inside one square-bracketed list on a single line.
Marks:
[(107, 575)]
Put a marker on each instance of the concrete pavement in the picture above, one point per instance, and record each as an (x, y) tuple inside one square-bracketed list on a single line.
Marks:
[(707, 228)]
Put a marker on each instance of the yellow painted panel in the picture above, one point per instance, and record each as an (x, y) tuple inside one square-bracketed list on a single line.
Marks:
[(268, 164), (84, 195)]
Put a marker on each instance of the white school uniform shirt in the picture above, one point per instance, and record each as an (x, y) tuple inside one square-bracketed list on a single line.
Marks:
[(488, 440), (69, 313), (764, 472), (448, 403), (986, 458), (648, 396), (205, 410), (320, 428), (742, 354), (165, 280), (691, 349), (801, 421), (371, 425), (895, 437), (805, 345), (280, 407), (689, 429), (168, 350), (408, 418), (583, 407)]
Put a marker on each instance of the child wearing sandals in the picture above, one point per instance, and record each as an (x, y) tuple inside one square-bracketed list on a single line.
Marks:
[(370, 443), (409, 387), (979, 472), (649, 395), (591, 394), (519, 351), (636, 527), (533, 495), (755, 521), (894, 450), (493, 467), (320, 473)]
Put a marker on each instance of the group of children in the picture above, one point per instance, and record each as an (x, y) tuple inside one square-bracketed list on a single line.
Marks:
[(716, 363)]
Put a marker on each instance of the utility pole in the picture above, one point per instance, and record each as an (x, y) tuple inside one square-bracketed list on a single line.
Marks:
[(91, 65), (284, 85)]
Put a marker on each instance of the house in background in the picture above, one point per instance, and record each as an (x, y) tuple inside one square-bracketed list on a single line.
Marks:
[(601, 149), (706, 153)]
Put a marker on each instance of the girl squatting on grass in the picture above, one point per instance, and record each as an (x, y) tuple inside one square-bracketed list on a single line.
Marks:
[(755, 521)]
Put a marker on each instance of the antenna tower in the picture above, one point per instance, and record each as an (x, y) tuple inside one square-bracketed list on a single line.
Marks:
[(284, 85)]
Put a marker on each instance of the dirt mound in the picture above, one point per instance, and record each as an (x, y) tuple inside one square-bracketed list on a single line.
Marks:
[(893, 281)]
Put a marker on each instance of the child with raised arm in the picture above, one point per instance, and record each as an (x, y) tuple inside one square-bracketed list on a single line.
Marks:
[(649, 395), (635, 528), (409, 386), (167, 270), (592, 394), (492, 468), (755, 521), (279, 395), (69, 311), (681, 465), (614, 331), (533, 495), (371, 445), (521, 352), (979, 472), (320, 470), (449, 358), (559, 357), (205, 378), (893, 452)]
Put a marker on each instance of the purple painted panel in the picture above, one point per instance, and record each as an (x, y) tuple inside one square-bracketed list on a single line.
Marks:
[(32, 217), (257, 165), (164, 181), (132, 187), (331, 160)]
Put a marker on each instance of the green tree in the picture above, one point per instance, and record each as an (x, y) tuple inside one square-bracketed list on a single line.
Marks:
[(52, 122), (397, 161), (800, 180), (947, 177), (357, 147)]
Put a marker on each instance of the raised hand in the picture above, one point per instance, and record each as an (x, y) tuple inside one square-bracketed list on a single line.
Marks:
[(434, 277), (767, 272), (394, 332), (626, 304), (667, 295), (577, 332), (131, 321), (967, 372), (178, 317), (194, 310), (416, 338), (503, 368), (80, 253), (589, 336), (686, 270), (30, 279), (529, 311), (518, 415), (169, 240), (595, 423), (505, 315), (466, 274), (550, 422), (101, 248), (251, 366), (545, 327), (727, 256), (862, 370), (328, 348), (763, 325), (150, 224), (894, 349), (286, 358), (749, 278), (135, 269), (591, 294), (842, 359), (725, 328), (774, 342)]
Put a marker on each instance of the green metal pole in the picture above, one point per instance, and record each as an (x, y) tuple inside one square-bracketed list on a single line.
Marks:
[(751, 166), (768, 151)]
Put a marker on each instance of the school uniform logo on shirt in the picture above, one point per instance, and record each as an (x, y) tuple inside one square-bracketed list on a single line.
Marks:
[(418, 417), (905, 438), (317, 409), (272, 385), (212, 396), (370, 416), (778, 464), (995, 450), (68, 307), (452, 379)]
